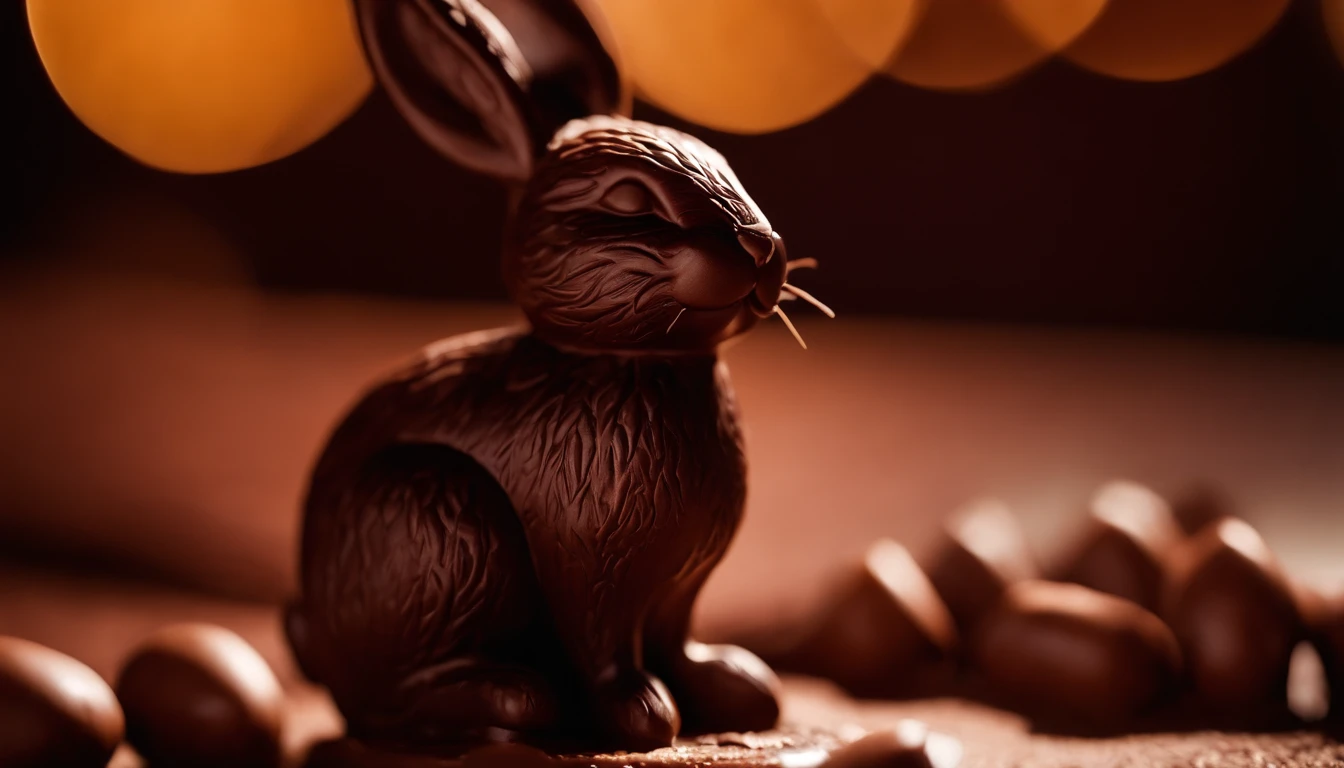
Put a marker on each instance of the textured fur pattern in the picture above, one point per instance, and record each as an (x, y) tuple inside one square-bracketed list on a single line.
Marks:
[(595, 276), (622, 477)]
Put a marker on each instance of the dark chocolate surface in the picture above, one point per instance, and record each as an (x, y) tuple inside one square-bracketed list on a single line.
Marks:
[(568, 49)]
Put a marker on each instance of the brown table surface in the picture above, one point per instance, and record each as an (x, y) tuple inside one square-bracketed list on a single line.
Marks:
[(165, 429)]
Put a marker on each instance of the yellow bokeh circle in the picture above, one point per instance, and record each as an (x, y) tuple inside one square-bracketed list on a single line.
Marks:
[(1161, 40), (752, 66), (974, 44), (203, 86), (1334, 24)]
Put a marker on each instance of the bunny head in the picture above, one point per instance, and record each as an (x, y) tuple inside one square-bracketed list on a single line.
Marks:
[(624, 236), (636, 236)]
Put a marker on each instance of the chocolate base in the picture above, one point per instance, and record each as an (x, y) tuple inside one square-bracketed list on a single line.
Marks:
[(772, 749)]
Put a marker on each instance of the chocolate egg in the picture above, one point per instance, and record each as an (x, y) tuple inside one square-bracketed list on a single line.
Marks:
[(1328, 637), (883, 630), (1233, 612), (1065, 651), (1125, 551), (199, 695), (983, 551), (54, 711)]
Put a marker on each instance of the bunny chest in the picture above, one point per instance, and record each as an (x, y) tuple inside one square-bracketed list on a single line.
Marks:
[(613, 458)]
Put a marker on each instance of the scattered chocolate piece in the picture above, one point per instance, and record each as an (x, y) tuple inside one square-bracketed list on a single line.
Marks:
[(883, 632), (1308, 694), (199, 695), (1125, 552), (1199, 506), (984, 551), (54, 711), (1068, 652), (909, 744), (1234, 614), (1328, 637)]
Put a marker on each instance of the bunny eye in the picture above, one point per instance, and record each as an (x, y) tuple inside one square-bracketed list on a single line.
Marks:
[(628, 197)]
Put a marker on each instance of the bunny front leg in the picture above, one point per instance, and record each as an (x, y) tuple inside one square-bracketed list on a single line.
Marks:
[(600, 592), (718, 688)]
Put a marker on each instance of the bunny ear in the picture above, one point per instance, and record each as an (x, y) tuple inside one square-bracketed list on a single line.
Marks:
[(488, 96)]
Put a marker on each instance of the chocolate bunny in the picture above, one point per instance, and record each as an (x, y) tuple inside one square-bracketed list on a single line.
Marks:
[(505, 539)]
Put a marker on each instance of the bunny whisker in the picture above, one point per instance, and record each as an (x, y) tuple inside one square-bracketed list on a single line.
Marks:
[(808, 263), (810, 299), (674, 320), (789, 324)]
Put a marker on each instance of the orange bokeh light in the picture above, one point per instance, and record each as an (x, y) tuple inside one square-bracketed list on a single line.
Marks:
[(203, 86), (1158, 40), (1334, 24), (751, 66), (972, 44)]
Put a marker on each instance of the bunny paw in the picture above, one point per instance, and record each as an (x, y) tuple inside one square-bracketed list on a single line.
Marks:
[(637, 711), (724, 688)]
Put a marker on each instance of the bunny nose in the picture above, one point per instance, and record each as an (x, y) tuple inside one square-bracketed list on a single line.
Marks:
[(759, 245), (770, 277)]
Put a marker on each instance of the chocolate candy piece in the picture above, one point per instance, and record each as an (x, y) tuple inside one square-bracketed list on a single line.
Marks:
[(1065, 651), (909, 744), (1308, 694), (1327, 634), (1125, 552), (1235, 617), (199, 695), (883, 632), (984, 552), (54, 711)]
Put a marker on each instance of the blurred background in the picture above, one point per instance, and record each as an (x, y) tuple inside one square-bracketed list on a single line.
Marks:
[(1051, 161), (1069, 240)]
